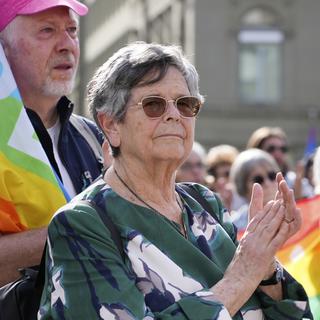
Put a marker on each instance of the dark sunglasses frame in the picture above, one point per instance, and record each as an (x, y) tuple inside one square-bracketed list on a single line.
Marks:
[(271, 175), (272, 148), (182, 108)]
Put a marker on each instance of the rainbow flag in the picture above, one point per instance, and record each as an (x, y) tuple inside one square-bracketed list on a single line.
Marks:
[(300, 255), (29, 190)]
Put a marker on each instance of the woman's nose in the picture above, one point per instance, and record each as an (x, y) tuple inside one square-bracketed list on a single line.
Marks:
[(172, 111)]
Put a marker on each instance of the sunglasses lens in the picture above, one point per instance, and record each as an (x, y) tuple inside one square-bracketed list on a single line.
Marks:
[(272, 149), (272, 175), (188, 106), (154, 107), (260, 179)]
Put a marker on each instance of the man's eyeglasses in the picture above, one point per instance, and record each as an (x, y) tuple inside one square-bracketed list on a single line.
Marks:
[(155, 106), (271, 175), (272, 149)]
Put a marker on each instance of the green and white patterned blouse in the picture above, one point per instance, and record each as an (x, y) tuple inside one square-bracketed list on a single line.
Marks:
[(163, 276)]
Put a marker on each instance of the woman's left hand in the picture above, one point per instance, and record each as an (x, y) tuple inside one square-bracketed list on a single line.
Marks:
[(292, 213)]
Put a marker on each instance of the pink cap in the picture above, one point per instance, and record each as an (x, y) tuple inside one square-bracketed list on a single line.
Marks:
[(9, 9)]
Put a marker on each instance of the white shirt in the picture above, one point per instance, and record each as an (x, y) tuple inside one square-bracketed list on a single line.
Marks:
[(54, 133)]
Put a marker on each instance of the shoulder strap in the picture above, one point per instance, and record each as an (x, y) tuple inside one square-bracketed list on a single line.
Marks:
[(197, 196), (41, 274), (83, 128), (108, 223)]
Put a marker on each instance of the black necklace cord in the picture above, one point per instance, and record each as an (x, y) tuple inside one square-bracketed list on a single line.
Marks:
[(146, 204)]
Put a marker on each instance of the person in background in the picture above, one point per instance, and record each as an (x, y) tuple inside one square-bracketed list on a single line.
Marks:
[(219, 161), (193, 169), (316, 171), (40, 41), (274, 141), (177, 261), (308, 171), (250, 167)]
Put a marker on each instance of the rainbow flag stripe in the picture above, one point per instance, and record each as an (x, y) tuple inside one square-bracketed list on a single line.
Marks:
[(29, 190), (301, 254)]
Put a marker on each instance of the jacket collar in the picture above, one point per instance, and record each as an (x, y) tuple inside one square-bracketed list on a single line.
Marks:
[(64, 108)]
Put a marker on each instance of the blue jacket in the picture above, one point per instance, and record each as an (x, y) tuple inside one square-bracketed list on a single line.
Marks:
[(75, 153)]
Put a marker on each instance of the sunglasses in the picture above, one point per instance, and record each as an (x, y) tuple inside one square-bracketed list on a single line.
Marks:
[(271, 175), (155, 106), (272, 148)]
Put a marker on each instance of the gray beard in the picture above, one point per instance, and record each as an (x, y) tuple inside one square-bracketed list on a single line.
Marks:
[(58, 88)]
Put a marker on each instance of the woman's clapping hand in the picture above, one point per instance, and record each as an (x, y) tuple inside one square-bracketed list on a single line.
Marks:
[(269, 228)]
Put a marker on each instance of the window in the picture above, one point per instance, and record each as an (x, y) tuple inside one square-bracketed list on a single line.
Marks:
[(260, 57), (160, 29)]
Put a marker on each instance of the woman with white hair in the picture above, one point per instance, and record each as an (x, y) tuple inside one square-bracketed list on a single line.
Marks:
[(179, 262), (250, 167)]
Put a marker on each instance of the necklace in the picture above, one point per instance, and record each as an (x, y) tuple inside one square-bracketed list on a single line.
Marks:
[(147, 205)]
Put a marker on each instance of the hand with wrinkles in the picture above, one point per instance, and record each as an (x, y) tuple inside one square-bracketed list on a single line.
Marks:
[(269, 228), (292, 213)]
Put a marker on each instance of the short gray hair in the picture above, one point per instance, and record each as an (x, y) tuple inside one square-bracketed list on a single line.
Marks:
[(243, 165), (110, 88)]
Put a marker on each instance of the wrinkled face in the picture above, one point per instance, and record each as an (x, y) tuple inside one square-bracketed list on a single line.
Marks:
[(278, 149), (266, 177), (44, 52), (192, 170), (154, 140)]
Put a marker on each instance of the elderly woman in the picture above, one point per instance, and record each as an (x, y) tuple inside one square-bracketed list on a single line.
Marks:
[(179, 262), (219, 161), (250, 167), (274, 141)]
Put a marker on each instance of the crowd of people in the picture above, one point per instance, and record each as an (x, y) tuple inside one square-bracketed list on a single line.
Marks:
[(177, 260), (231, 173)]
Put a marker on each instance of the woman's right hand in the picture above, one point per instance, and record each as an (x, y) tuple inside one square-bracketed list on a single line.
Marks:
[(254, 257), (264, 236)]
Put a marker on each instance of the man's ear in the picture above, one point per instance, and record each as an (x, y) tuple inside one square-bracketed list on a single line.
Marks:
[(110, 129)]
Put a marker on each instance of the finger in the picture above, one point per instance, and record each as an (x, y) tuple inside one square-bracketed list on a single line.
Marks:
[(256, 202), (253, 223), (279, 177), (280, 237), (288, 201), (278, 195), (296, 222), (270, 226)]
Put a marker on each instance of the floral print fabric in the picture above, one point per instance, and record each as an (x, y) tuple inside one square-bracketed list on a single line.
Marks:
[(163, 275)]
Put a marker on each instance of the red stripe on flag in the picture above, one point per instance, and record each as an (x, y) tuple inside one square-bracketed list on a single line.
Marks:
[(13, 223)]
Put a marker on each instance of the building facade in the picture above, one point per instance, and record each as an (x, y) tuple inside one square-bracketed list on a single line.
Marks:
[(257, 59)]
